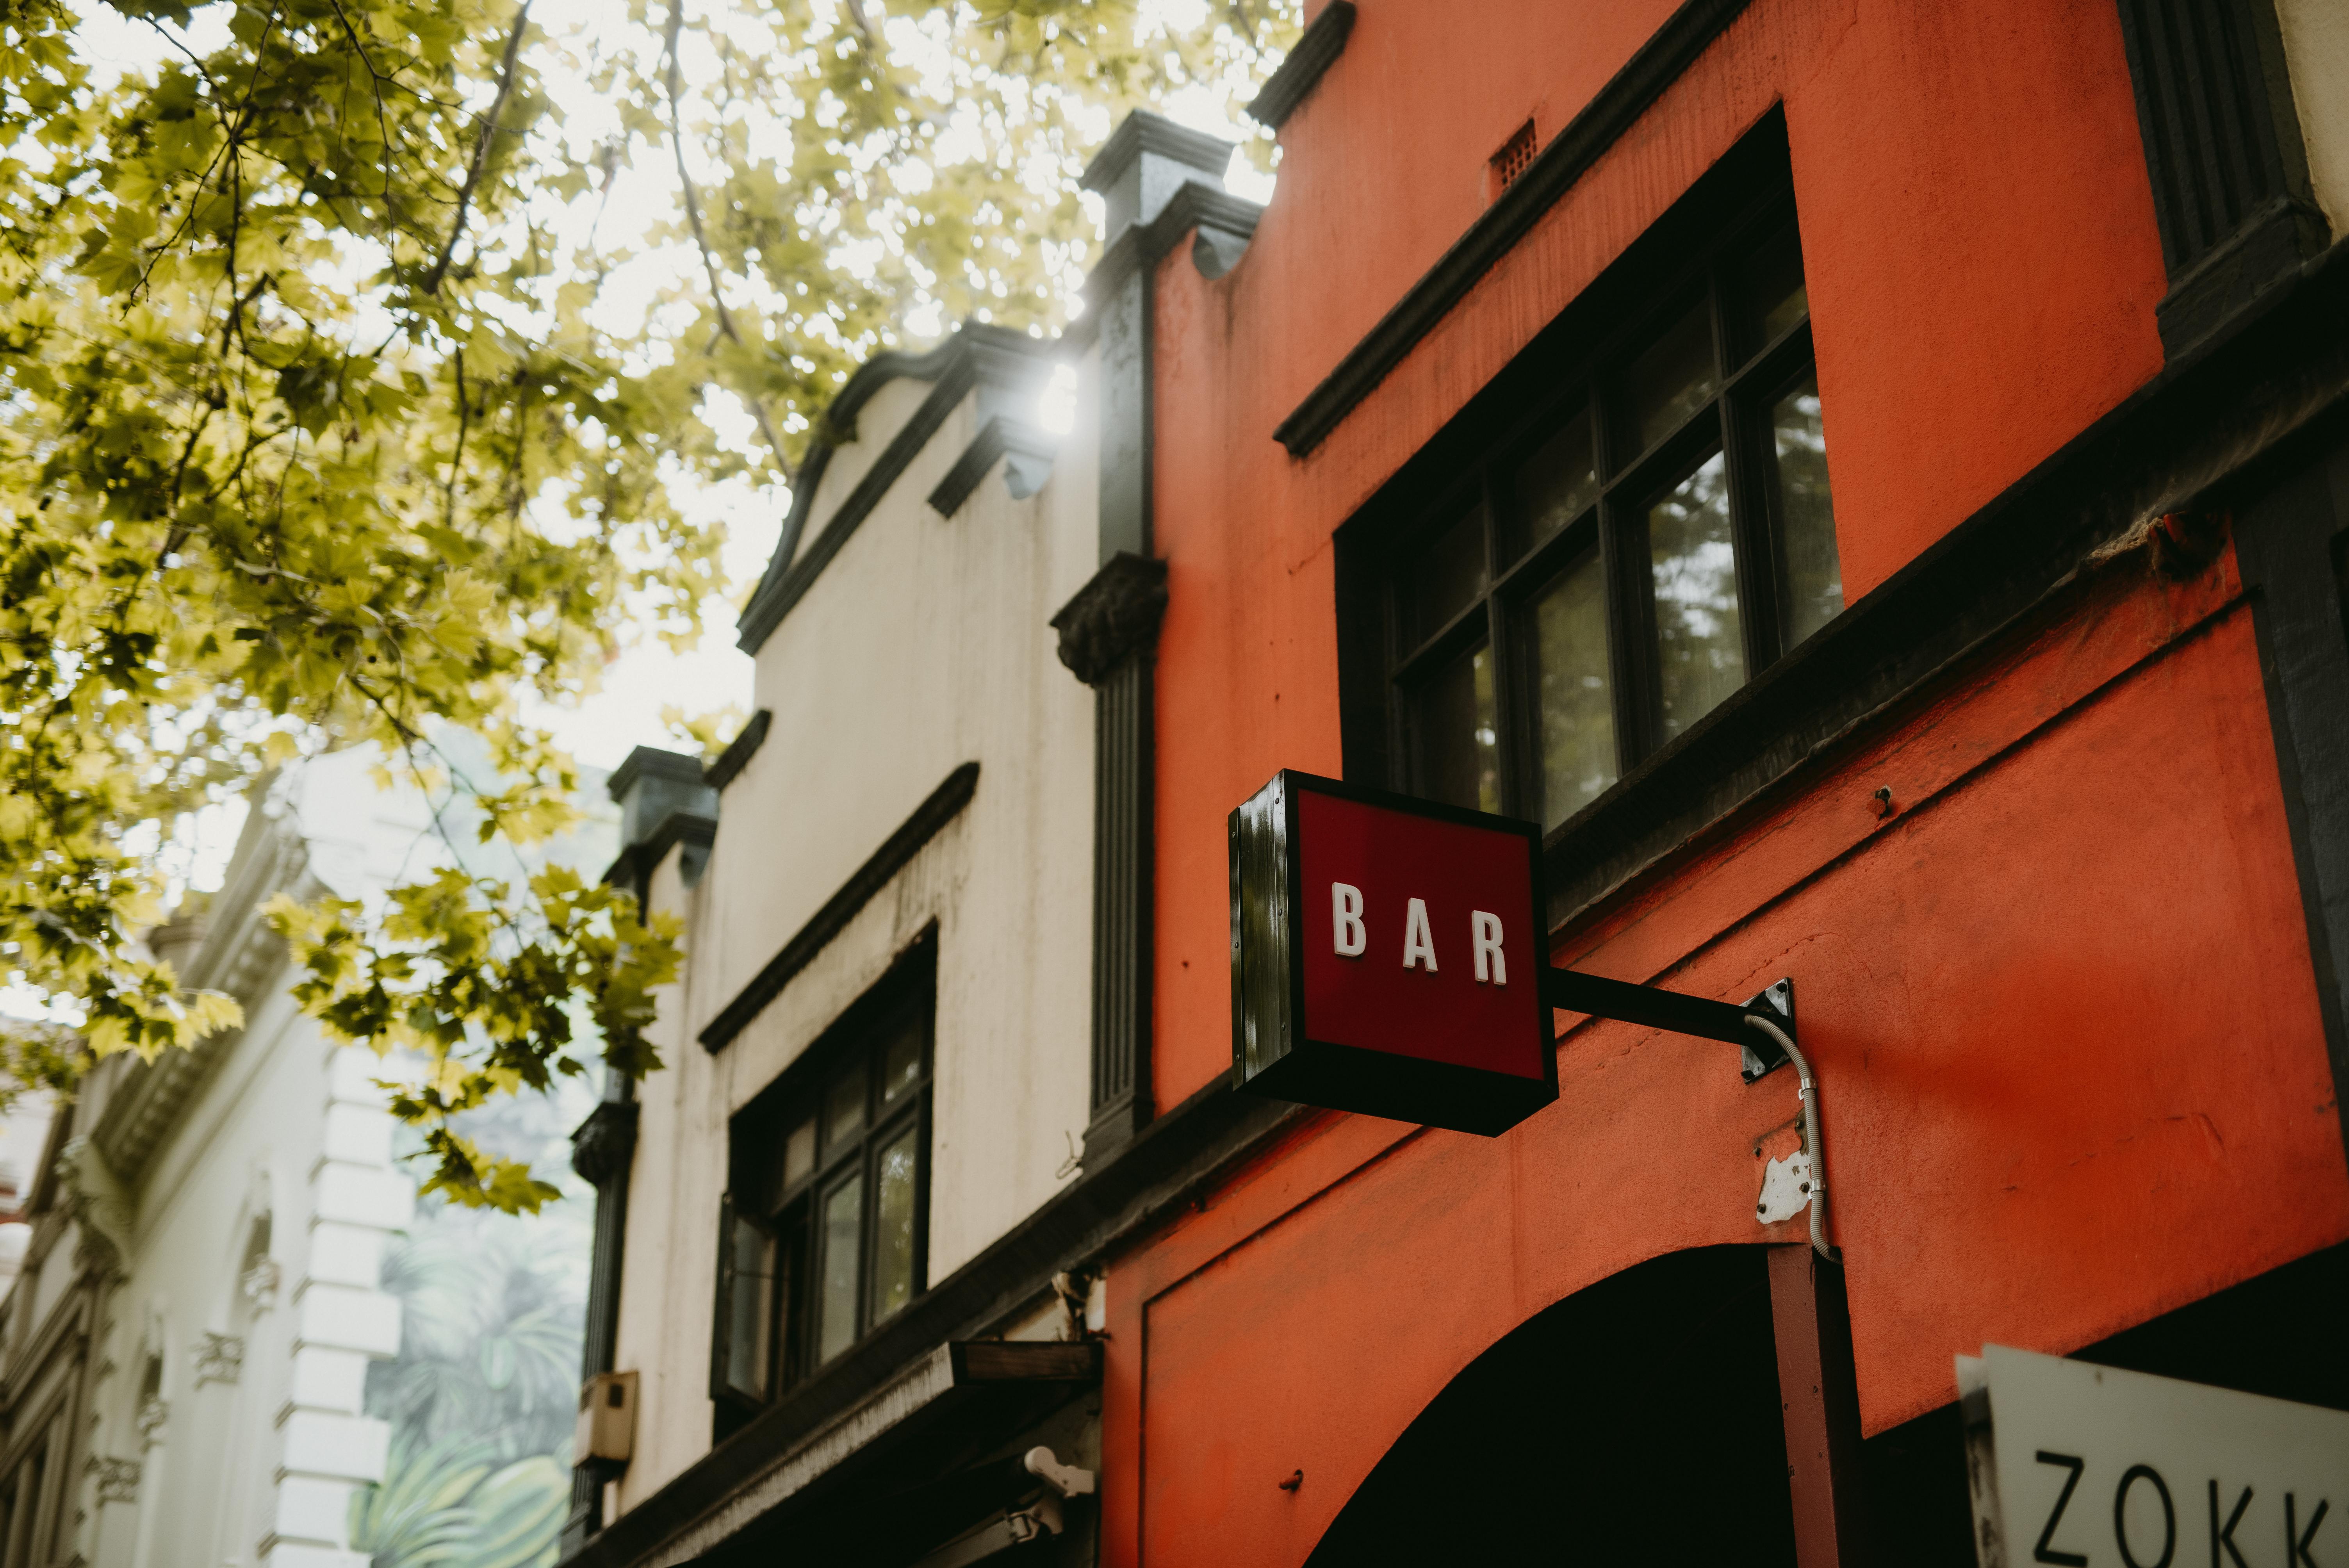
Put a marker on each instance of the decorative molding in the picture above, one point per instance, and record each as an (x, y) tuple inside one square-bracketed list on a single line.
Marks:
[(1660, 62), (634, 866), (1318, 48), (1194, 205), (1029, 450), (154, 1416), (603, 1145), (1007, 367), (1145, 131), (728, 764), (109, 1214), (944, 804), (220, 1358), (1113, 615), (260, 1284), (2223, 153), (117, 1479), (1124, 731)]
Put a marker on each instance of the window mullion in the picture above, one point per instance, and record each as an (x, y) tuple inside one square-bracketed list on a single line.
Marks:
[(1508, 703), (1627, 611)]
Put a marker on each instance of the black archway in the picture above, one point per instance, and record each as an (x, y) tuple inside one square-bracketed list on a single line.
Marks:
[(1635, 1421)]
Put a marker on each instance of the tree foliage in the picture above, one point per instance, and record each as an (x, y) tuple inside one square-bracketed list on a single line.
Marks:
[(325, 427)]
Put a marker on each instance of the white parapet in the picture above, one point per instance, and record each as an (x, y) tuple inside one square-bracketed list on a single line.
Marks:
[(315, 1510), (301, 1554), (359, 1134), (332, 1447), (363, 1195), (325, 1379), (343, 1254), (347, 1318)]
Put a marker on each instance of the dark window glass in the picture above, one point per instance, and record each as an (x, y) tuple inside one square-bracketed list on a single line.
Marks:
[(1700, 646), (1772, 291), (1806, 512), (748, 1306), (1670, 379), (1577, 696), (843, 1107), (842, 1241), (1451, 573), (901, 1065), (1624, 601), (893, 1230), (1458, 741), (799, 1153), (1558, 483), (829, 1167)]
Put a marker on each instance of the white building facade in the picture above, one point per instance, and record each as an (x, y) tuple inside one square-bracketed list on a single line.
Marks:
[(185, 1349)]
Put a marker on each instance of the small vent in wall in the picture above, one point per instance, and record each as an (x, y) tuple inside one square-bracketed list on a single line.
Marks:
[(1516, 156)]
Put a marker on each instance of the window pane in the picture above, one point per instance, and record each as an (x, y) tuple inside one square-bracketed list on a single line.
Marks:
[(843, 1227), (1671, 380), (1459, 750), (799, 1153), (1806, 513), (1701, 648), (1449, 574), (749, 1308), (1772, 292), (843, 1107), (1558, 483), (893, 1226), (1578, 705), (901, 1065)]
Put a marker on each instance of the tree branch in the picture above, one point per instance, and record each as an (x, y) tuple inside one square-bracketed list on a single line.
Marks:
[(482, 147), (701, 240)]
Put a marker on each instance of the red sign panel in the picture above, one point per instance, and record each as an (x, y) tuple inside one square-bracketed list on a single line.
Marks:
[(1387, 956)]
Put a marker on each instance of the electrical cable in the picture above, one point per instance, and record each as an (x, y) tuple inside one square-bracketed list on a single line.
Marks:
[(1812, 1142)]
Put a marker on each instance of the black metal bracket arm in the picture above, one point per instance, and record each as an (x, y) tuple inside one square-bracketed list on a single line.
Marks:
[(1574, 992)]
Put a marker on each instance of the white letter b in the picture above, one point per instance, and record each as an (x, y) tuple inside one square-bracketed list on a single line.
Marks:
[(1348, 936)]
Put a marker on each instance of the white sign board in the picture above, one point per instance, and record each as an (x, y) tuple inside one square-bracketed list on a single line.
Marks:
[(2091, 1466)]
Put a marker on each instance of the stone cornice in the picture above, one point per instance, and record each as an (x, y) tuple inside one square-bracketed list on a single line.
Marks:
[(1111, 616), (1317, 50)]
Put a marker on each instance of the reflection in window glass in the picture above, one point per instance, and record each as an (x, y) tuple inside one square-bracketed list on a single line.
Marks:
[(1459, 740), (799, 1153), (749, 1306), (1558, 483), (1671, 380), (1450, 573), (1701, 650), (892, 1227), (901, 1064), (1577, 702), (843, 1107), (1806, 513), (1775, 294), (843, 1218)]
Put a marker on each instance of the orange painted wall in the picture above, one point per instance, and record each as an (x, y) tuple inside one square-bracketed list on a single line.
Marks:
[(1983, 264), (2060, 1008), (2061, 1001)]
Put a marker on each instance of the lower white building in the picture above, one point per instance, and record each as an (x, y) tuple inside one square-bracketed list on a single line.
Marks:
[(183, 1355)]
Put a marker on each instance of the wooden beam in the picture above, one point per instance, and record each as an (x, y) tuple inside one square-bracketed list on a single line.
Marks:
[(1820, 1398)]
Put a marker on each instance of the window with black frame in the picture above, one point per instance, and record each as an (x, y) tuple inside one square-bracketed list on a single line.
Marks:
[(825, 1217), (1604, 576)]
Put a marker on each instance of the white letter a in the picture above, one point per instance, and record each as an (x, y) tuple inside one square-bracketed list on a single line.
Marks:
[(1418, 941)]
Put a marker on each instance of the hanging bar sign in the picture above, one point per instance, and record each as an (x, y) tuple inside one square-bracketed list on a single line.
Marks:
[(1387, 956)]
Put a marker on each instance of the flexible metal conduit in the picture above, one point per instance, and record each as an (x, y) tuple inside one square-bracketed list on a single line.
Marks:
[(1811, 1142)]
